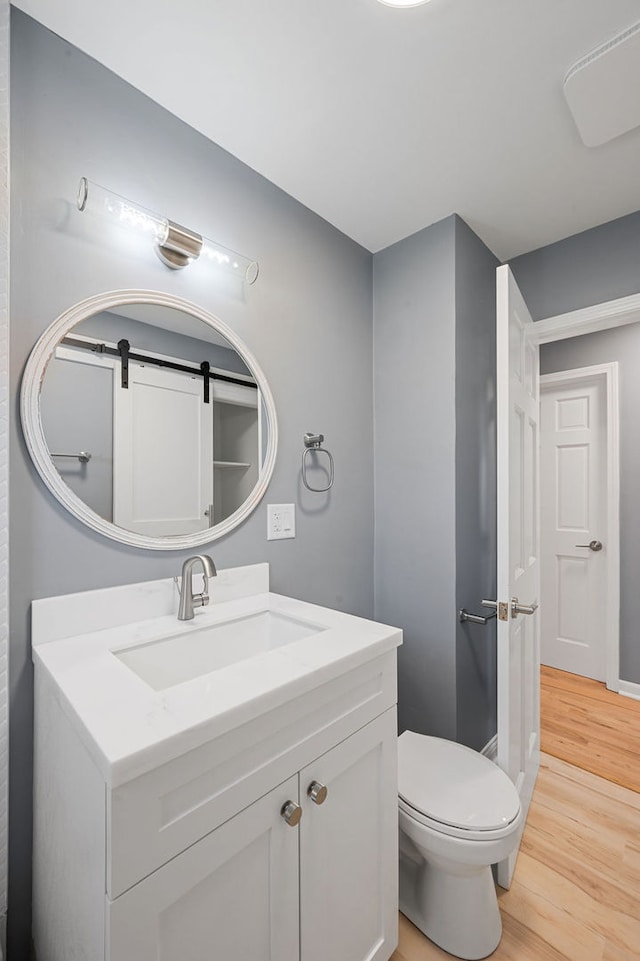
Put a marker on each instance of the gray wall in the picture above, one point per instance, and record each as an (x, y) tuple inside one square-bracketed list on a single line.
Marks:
[(434, 376), (414, 412), (621, 345), (589, 268), (147, 337), (307, 320), (77, 415), (475, 286)]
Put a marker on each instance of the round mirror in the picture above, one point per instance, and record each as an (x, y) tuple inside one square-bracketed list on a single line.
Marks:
[(149, 419)]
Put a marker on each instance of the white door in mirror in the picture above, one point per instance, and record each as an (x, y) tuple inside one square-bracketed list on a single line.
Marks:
[(163, 453), (281, 521)]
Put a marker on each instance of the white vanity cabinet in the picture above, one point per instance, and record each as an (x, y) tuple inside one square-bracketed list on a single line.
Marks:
[(193, 859), (258, 888)]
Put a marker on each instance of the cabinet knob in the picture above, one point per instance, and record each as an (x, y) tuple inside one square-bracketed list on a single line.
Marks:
[(317, 792), (291, 812)]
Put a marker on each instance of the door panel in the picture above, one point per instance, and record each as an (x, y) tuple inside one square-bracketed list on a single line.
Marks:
[(574, 485), (518, 571), (163, 453)]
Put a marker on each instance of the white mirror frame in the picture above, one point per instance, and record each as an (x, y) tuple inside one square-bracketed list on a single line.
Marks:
[(30, 413)]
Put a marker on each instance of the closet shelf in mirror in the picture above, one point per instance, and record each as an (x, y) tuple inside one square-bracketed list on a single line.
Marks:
[(227, 464)]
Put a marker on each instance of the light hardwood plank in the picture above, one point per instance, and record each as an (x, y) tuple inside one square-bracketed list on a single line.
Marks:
[(590, 727), (613, 953), (631, 856), (594, 785), (549, 919)]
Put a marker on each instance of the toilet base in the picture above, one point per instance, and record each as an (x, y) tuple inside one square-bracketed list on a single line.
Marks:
[(458, 912)]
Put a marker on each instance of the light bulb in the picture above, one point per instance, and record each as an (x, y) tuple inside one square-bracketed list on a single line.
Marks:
[(242, 267), (98, 199)]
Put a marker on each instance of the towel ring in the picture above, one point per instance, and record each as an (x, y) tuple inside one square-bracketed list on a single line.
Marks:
[(313, 443)]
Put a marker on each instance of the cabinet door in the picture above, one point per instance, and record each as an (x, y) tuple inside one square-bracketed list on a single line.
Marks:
[(233, 896), (349, 849)]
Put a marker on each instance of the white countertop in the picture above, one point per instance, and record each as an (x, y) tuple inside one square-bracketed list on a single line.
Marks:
[(130, 728)]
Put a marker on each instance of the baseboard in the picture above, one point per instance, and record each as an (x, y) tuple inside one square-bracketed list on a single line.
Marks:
[(629, 689), (490, 749)]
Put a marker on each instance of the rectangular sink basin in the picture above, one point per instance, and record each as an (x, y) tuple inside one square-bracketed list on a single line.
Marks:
[(199, 650)]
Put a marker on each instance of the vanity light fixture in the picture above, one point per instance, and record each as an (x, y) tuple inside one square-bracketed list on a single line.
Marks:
[(175, 245)]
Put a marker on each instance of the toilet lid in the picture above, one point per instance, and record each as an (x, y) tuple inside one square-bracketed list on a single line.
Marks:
[(450, 783)]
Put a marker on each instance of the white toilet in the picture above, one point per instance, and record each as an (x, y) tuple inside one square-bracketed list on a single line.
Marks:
[(459, 814)]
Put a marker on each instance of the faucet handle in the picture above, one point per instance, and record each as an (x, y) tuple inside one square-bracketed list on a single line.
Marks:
[(200, 600)]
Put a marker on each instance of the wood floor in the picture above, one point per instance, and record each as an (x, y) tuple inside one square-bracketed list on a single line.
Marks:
[(587, 725), (576, 889)]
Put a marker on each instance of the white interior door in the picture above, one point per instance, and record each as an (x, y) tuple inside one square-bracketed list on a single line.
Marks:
[(518, 574), (574, 536), (162, 452)]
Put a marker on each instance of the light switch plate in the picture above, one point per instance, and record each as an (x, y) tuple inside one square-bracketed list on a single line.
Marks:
[(281, 521)]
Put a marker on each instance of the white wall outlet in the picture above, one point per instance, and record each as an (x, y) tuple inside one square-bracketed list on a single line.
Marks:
[(281, 521)]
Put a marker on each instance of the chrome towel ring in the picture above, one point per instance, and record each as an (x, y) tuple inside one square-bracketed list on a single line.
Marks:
[(313, 443)]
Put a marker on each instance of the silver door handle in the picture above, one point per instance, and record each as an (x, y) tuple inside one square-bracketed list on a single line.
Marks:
[(592, 545), (499, 606), (464, 616), (518, 608)]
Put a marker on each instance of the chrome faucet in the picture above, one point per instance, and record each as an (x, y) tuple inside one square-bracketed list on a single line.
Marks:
[(189, 600)]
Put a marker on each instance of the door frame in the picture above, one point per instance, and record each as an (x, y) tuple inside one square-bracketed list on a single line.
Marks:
[(590, 320), (608, 374)]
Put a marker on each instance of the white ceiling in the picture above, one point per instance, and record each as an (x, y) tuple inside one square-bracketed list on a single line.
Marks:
[(384, 120)]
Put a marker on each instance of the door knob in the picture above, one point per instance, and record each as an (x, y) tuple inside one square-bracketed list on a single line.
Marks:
[(291, 812), (518, 608), (317, 792), (592, 545)]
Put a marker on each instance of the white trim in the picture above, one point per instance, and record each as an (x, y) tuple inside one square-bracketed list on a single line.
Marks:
[(588, 320), (75, 356), (609, 373), (4, 454), (629, 689), (490, 749), (36, 443)]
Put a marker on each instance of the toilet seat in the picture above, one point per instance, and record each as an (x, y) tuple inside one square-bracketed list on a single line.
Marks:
[(463, 834), (453, 789)]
